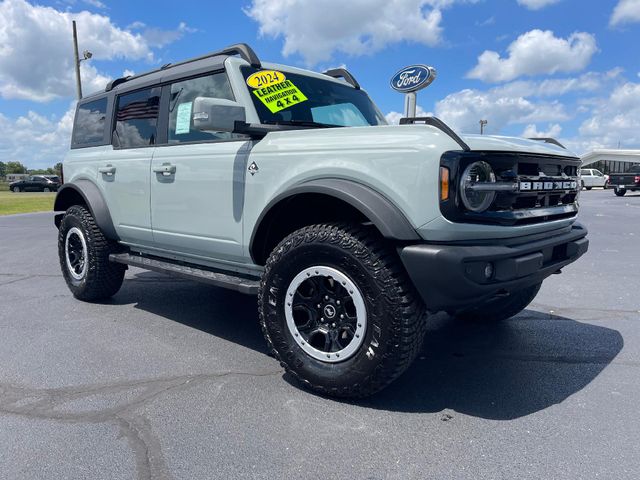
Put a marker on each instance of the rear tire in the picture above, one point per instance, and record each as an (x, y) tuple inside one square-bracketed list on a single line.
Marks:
[(46, 189), (501, 308), (620, 192), (589, 188), (17, 189), (338, 310), (84, 251)]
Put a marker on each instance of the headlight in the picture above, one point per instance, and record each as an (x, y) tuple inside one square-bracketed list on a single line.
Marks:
[(474, 178)]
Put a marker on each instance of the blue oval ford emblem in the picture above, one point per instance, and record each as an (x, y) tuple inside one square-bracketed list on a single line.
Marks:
[(413, 78)]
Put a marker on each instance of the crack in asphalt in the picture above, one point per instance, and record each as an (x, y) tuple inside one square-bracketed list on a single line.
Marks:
[(48, 404)]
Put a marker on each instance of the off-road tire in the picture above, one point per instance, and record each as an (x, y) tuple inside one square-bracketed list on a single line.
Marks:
[(396, 318), (501, 308), (620, 192), (102, 278)]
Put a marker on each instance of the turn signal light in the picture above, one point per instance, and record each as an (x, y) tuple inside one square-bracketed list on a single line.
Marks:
[(636, 179), (444, 184)]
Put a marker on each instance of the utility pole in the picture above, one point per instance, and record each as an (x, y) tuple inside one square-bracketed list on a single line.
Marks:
[(86, 55), (76, 59), (483, 123)]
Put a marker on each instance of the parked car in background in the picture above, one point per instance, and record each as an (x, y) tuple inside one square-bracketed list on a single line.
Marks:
[(36, 183), (630, 180), (593, 178)]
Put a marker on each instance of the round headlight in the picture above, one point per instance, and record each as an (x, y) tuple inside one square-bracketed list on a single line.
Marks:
[(474, 177)]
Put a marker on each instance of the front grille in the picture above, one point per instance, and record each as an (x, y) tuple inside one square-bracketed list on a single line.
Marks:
[(517, 207)]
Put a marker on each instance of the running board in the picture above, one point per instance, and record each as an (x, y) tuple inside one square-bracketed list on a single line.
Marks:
[(224, 280)]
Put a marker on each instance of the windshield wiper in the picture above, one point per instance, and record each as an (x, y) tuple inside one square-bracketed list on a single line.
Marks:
[(301, 123)]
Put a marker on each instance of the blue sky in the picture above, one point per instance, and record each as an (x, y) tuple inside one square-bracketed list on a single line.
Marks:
[(565, 68)]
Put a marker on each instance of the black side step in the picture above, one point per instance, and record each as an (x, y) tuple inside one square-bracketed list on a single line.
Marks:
[(225, 280)]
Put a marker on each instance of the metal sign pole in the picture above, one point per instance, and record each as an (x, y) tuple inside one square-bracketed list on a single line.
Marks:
[(410, 102), (76, 59)]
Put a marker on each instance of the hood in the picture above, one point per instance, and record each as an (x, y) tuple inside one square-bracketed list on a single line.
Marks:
[(511, 144)]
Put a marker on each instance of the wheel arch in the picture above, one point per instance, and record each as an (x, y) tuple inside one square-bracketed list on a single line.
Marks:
[(344, 200), (84, 192)]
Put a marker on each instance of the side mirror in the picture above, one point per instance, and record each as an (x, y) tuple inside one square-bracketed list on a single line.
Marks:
[(217, 114)]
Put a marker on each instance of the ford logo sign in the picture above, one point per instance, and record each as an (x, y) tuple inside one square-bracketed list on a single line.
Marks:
[(413, 78)]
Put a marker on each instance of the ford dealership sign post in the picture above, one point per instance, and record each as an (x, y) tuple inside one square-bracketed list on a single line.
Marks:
[(409, 80)]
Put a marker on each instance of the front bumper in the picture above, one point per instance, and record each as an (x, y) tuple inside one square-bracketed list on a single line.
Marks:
[(452, 276)]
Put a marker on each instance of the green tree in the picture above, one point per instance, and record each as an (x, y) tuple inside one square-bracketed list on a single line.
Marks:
[(58, 168), (3, 169), (16, 167)]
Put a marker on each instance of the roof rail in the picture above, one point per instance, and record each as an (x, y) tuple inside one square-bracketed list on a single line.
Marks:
[(242, 49), (343, 73), (439, 124), (549, 140)]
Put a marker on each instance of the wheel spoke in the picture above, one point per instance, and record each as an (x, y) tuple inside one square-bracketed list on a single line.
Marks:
[(326, 313)]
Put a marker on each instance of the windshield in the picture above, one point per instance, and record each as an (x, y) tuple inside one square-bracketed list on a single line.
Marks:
[(290, 98)]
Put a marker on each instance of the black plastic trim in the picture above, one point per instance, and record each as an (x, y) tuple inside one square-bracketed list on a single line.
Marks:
[(450, 277), (92, 198), (439, 124), (552, 141), (343, 73), (387, 218)]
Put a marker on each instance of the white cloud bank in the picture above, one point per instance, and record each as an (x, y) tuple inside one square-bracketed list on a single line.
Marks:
[(316, 30), (36, 60), (534, 53), (626, 11)]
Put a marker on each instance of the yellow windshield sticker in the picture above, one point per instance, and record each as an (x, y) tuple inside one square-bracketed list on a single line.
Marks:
[(265, 78), (280, 96)]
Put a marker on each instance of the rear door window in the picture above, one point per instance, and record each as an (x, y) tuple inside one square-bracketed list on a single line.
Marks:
[(137, 118), (90, 123)]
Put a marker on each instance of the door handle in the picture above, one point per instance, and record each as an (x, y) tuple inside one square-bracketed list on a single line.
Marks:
[(165, 169), (107, 170)]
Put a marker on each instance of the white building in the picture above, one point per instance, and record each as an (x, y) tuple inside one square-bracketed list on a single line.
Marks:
[(611, 160), (12, 177)]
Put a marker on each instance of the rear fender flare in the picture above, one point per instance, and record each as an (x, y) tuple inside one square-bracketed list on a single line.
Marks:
[(71, 193)]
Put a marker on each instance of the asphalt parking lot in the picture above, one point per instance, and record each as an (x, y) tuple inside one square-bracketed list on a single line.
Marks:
[(171, 380)]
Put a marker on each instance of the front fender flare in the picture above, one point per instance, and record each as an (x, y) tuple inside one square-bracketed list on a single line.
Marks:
[(383, 213), (85, 191)]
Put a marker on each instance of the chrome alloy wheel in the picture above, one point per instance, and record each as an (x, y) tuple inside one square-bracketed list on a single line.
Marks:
[(76, 254), (326, 314)]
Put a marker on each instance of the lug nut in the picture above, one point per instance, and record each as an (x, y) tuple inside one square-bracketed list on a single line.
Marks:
[(337, 302), (319, 306), (333, 325), (341, 316), (322, 319), (326, 297)]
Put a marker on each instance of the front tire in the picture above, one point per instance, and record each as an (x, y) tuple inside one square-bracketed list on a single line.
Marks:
[(589, 188), (46, 189), (84, 251), (620, 192), (501, 308), (338, 310), (16, 190)]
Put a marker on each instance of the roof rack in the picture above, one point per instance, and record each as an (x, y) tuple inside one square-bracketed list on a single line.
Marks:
[(242, 49), (343, 73), (549, 140), (439, 124)]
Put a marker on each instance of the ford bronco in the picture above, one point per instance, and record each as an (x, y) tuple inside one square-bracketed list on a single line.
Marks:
[(289, 184)]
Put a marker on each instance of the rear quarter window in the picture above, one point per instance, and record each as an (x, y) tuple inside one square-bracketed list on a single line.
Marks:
[(90, 123)]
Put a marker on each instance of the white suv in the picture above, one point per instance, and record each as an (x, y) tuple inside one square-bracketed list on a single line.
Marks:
[(289, 184)]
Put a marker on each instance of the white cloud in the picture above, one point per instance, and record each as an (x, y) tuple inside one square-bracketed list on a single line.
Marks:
[(536, 52), (531, 131), (35, 140), (356, 27), (536, 4), (35, 50), (464, 109), (614, 119), (95, 3), (393, 118), (626, 11)]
